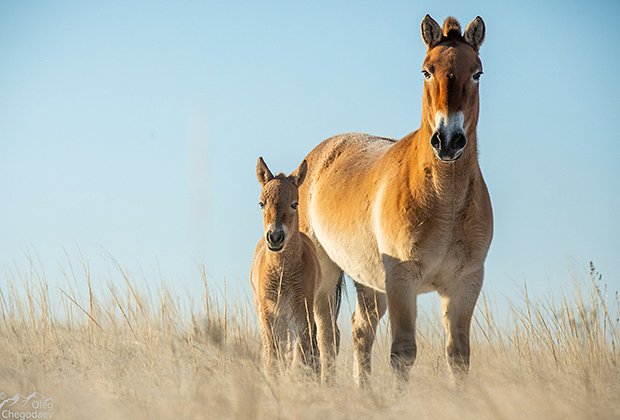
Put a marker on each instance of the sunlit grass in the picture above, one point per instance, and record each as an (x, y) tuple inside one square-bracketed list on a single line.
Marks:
[(123, 353)]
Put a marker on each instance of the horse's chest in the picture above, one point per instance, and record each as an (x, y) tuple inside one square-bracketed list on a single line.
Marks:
[(441, 253)]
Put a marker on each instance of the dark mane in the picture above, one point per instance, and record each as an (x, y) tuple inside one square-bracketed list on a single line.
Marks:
[(451, 29)]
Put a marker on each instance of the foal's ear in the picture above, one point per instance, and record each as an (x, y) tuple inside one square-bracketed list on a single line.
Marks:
[(431, 31), (474, 33), (299, 175), (263, 173)]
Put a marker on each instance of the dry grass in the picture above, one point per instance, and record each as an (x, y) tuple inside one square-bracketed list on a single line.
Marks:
[(123, 355)]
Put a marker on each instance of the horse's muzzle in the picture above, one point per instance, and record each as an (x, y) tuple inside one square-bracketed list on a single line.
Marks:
[(448, 146)]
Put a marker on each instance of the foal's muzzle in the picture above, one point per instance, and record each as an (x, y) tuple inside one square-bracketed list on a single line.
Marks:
[(275, 239), (448, 146)]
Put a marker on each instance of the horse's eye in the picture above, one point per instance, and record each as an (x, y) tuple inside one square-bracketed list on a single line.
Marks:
[(294, 205), (477, 76), (261, 204), (426, 74)]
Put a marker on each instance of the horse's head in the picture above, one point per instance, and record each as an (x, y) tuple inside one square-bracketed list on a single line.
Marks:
[(278, 201), (451, 69)]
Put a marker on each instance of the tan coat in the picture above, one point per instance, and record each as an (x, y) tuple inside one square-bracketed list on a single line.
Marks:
[(410, 216), (285, 274)]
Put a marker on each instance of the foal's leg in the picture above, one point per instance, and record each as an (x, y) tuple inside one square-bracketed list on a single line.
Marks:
[(458, 302), (369, 309), (273, 336), (402, 304)]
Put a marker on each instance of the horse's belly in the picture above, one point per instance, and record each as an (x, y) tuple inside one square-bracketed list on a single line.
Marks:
[(355, 253)]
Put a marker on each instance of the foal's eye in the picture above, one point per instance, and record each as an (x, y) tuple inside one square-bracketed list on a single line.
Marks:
[(426, 74), (261, 204), (477, 76), (294, 205)]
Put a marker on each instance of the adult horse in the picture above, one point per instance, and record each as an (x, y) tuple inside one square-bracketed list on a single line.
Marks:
[(406, 217)]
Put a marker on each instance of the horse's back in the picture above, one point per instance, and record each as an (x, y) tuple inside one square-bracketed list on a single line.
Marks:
[(344, 148), (340, 166)]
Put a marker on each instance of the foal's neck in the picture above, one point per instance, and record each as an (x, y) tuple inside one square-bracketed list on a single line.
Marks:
[(289, 259)]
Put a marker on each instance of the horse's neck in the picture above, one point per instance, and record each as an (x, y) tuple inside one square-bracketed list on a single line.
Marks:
[(448, 183)]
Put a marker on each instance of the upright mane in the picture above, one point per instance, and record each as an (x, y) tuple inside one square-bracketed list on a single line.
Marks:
[(452, 28)]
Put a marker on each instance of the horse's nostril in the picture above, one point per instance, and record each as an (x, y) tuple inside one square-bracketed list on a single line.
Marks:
[(460, 141), (435, 141)]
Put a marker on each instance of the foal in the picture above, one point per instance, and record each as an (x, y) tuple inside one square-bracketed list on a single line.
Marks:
[(285, 273)]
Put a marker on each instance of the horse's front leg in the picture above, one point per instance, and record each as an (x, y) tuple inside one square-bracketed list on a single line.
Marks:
[(400, 287), (458, 301)]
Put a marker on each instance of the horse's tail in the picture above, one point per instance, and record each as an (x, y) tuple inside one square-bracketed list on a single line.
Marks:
[(338, 300)]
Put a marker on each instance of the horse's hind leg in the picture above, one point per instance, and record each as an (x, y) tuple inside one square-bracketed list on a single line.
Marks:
[(326, 304), (369, 309), (458, 302), (307, 346)]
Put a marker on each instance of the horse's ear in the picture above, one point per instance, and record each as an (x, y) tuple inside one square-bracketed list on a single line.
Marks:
[(263, 173), (299, 175), (474, 33), (431, 31)]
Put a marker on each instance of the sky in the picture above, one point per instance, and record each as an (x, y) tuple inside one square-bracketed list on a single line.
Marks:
[(130, 130)]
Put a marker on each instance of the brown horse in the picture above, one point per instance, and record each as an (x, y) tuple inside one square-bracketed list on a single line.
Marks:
[(285, 273), (410, 216)]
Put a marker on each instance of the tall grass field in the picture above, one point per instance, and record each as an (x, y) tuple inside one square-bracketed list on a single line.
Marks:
[(116, 352)]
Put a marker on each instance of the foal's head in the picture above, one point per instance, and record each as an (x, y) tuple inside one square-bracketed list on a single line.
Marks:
[(451, 71), (278, 201)]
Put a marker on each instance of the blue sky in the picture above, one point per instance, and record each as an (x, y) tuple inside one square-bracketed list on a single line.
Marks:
[(133, 128)]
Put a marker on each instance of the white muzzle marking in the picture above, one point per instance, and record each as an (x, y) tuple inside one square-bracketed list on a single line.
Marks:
[(449, 124)]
